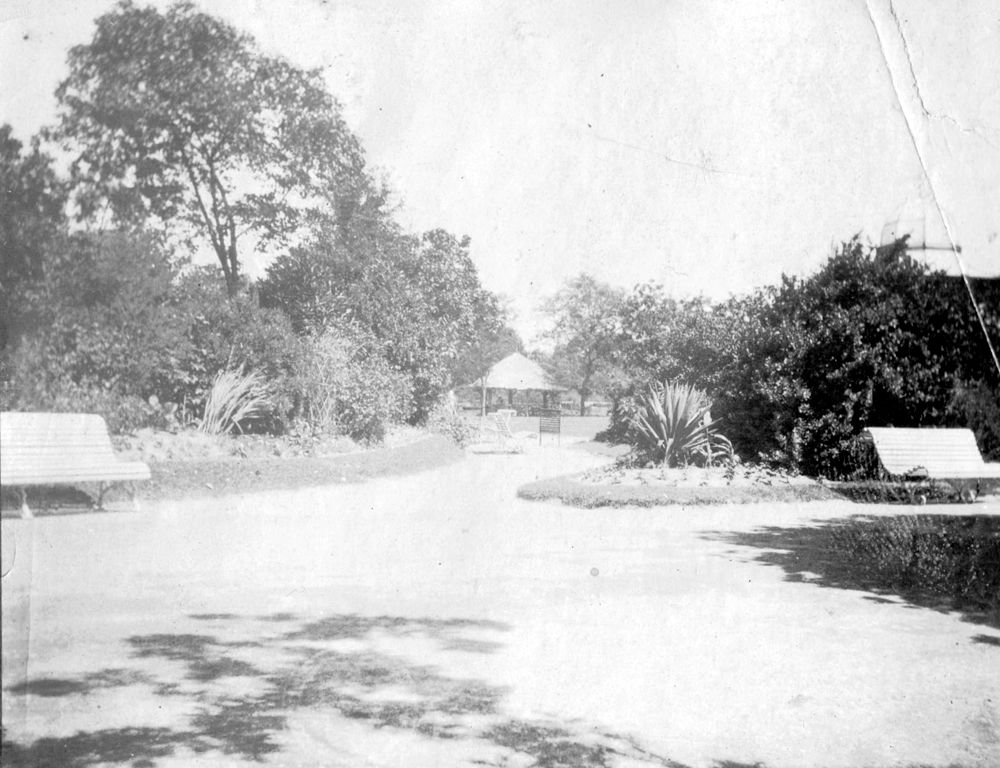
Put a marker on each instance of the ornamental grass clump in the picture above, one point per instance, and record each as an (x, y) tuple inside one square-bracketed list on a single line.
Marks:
[(673, 427), (235, 398)]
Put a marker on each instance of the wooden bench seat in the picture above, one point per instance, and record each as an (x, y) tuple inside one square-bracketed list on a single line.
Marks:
[(60, 449), (949, 455)]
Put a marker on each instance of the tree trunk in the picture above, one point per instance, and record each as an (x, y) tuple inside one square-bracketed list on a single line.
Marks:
[(232, 284), (233, 273), (229, 266), (583, 402)]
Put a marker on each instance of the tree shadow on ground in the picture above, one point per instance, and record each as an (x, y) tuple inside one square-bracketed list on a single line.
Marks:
[(138, 747), (308, 666), (50, 687), (923, 559)]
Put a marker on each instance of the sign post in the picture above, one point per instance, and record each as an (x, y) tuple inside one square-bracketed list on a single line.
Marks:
[(549, 420)]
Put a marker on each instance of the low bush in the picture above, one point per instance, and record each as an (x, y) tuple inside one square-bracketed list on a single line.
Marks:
[(447, 419), (954, 557), (340, 387), (374, 396)]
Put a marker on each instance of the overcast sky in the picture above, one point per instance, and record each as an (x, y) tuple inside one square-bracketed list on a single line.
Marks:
[(708, 145)]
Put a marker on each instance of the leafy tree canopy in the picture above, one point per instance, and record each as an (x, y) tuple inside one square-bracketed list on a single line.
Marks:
[(177, 116), (494, 340), (585, 323), (415, 300)]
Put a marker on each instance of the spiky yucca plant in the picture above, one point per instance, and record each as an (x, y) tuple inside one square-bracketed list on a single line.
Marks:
[(673, 424), (236, 396)]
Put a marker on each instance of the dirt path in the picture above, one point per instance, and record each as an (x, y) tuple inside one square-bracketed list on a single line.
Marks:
[(437, 620)]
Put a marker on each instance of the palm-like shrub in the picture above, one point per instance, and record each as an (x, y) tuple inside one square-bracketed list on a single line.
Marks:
[(672, 425), (236, 397)]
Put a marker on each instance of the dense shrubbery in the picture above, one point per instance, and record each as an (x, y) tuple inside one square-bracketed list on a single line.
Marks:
[(95, 332), (114, 327), (872, 339), (122, 332)]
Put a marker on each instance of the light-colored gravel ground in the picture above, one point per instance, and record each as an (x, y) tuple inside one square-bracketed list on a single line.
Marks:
[(321, 627)]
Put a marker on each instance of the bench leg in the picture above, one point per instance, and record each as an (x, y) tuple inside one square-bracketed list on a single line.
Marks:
[(25, 509)]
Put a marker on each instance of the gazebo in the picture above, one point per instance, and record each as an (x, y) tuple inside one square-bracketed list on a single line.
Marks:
[(516, 373)]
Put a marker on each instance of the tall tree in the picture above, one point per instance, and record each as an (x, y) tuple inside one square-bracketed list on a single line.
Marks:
[(584, 315), (177, 116)]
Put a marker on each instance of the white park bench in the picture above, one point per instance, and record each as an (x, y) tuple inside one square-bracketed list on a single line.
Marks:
[(60, 449), (948, 455)]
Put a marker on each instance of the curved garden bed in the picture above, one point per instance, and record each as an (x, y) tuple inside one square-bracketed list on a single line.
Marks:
[(618, 487)]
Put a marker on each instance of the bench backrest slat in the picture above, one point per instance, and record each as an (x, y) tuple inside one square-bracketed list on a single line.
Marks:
[(43, 447), (938, 452)]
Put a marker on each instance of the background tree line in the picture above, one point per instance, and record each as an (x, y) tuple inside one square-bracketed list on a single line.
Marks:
[(181, 136)]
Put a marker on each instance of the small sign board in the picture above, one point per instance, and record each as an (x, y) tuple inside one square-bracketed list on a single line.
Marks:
[(549, 420)]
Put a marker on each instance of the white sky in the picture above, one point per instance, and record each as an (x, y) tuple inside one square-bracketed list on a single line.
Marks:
[(708, 145)]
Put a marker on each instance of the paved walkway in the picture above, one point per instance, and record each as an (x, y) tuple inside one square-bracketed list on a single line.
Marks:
[(436, 620)]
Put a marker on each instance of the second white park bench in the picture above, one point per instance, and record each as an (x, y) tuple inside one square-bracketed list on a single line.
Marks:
[(60, 449), (949, 455)]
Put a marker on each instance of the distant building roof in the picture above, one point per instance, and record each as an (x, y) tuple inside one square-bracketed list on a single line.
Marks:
[(518, 372)]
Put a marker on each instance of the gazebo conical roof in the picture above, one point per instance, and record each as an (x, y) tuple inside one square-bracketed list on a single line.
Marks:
[(517, 372)]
